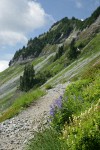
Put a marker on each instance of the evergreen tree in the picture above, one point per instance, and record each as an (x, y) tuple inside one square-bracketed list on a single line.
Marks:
[(27, 80), (73, 50), (59, 53)]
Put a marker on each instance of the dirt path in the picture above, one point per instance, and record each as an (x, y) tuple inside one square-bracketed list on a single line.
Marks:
[(15, 132)]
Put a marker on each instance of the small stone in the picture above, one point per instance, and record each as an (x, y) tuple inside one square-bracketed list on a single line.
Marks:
[(12, 142)]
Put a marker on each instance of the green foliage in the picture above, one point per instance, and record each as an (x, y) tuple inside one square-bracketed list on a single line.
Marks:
[(22, 102), (27, 80), (6, 102), (77, 98), (91, 71), (84, 131), (10, 73), (77, 122), (90, 141), (78, 119), (42, 77), (36, 45), (59, 53), (92, 47), (87, 22), (48, 86), (73, 52), (47, 140)]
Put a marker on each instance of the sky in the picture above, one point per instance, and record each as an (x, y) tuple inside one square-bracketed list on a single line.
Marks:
[(21, 20)]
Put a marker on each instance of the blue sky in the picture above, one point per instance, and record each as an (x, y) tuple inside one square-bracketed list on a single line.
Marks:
[(22, 19)]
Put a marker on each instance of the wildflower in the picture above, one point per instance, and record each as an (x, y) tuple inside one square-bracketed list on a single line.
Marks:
[(65, 133), (57, 104), (52, 111)]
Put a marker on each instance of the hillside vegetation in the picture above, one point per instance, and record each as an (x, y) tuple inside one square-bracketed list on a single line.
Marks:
[(68, 53), (75, 117), (55, 36)]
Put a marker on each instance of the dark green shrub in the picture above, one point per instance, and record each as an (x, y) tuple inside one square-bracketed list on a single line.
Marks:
[(89, 141)]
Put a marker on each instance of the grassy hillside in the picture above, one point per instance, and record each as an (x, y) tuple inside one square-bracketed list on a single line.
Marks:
[(90, 54), (9, 83), (68, 53), (75, 118)]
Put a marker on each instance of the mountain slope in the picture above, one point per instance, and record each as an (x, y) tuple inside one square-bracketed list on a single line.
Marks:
[(57, 34), (50, 60), (68, 54)]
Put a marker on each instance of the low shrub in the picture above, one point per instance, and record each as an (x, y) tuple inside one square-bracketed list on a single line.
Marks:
[(48, 86), (83, 133), (77, 98), (89, 141)]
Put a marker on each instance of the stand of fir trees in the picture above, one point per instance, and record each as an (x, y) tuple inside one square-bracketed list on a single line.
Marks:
[(27, 81)]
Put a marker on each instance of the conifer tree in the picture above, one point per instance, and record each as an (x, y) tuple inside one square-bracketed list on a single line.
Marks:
[(27, 80), (73, 53)]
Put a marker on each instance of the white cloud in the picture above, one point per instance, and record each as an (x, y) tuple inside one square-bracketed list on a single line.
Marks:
[(19, 17), (3, 65), (11, 38)]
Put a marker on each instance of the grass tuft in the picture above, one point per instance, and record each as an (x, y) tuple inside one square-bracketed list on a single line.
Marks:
[(21, 103)]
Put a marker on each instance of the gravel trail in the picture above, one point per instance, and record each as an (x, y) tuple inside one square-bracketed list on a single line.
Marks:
[(17, 131)]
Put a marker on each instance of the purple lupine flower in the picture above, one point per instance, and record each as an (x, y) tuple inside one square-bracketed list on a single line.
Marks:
[(52, 111), (57, 104)]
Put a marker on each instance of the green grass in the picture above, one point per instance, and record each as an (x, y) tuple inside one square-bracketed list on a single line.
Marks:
[(82, 131), (8, 100), (49, 48), (47, 140), (92, 47), (87, 53), (79, 96), (21, 103), (37, 60), (81, 134), (10, 73), (5, 102), (15, 70), (86, 71)]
